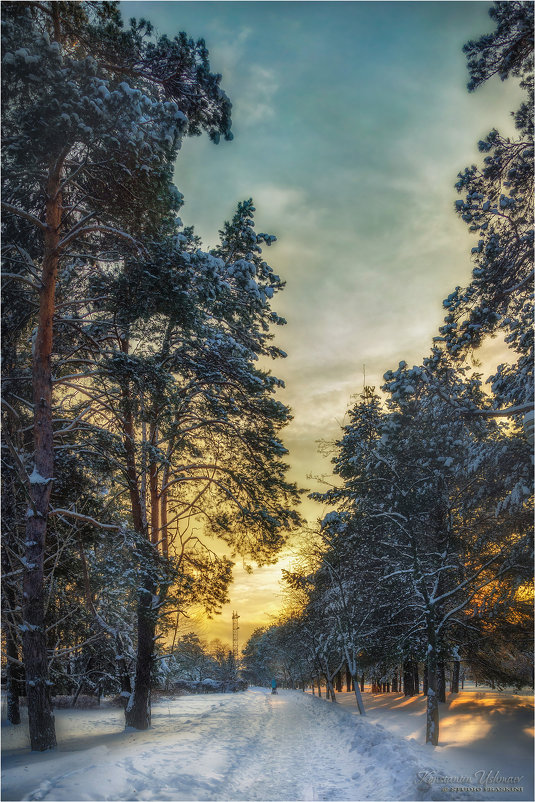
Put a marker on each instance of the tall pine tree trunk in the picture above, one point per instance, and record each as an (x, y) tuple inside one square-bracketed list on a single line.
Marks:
[(416, 677), (41, 720), (432, 717), (441, 681), (153, 488), (408, 677), (138, 712), (455, 676), (122, 670), (163, 514)]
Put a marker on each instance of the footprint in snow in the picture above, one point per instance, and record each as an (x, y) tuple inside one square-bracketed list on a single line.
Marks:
[(40, 792)]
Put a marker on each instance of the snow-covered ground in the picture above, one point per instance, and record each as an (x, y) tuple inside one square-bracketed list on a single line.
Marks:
[(245, 746), (481, 730)]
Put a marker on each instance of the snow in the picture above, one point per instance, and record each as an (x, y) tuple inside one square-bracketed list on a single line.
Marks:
[(35, 478), (244, 746), (480, 729)]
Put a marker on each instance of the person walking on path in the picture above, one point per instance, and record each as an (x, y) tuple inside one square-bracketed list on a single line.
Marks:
[(273, 685)]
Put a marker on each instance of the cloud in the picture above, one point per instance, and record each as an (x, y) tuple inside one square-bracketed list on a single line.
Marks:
[(256, 100)]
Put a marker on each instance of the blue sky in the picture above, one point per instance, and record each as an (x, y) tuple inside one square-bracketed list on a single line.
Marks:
[(351, 122)]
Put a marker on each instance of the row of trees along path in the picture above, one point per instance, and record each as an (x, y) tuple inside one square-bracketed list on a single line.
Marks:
[(425, 556), (133, 402)]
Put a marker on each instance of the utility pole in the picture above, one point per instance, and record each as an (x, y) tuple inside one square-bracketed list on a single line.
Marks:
[(235, 629)]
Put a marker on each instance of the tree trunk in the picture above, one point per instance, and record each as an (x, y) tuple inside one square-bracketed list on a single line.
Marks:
[(319, 687), (441, 681), (416, 678), (395, 683), (81, 683), (455, 676), (361, 682), (330, 689), (41, 720), (163, 515), (339, 682), (425, 680), (153, 490), (432, 719), (357, 690), (432, 723), (408, 677), (348, 679), (138, 711), (154, 505)]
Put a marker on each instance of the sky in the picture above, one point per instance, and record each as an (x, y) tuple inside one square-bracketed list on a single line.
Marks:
[(351, 121)]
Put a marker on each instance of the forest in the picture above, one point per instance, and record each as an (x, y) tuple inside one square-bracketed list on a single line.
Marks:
[(142, 449), (425, 560)]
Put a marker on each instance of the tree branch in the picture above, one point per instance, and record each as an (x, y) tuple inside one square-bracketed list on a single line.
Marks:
[(27, 216)]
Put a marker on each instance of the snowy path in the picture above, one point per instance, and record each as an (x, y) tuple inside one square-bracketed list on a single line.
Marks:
[(247, 746)]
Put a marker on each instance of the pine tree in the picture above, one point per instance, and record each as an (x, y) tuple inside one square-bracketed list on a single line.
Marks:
[(497, 207), (87, 169)]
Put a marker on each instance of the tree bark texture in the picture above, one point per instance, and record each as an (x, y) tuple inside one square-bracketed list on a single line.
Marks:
[(358, 697), (441, 681), (432, 717), (455, 676), (41, 720), (138, 712), (153, 487), (408, 677), (432, 720), (348, 679), (163, 515), (330, 690)]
